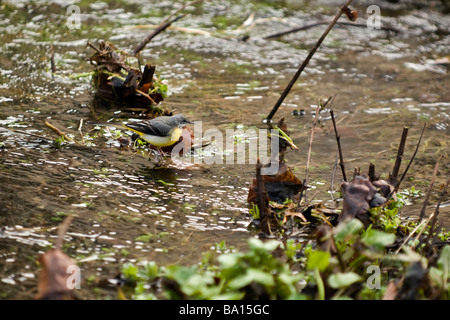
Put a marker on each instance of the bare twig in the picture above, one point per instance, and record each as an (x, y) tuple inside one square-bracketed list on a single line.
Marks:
[(306, 61), (436, 211), (147, 96), (155, 32), (163, 25), (62, 231), (412, 159), (58, 132), (303, 188), (434, 230), (90, 44), (79, 130), (316, 117), (443, 194), (29, 134), (372, 177), (322, 22), (338, 140), (410, 235), (398, 160), (261, 201), (423, 228), (436, 167), (52, 60), (333, 175)]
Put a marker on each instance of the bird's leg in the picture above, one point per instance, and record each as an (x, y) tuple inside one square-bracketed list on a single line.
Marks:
[(161, 152)]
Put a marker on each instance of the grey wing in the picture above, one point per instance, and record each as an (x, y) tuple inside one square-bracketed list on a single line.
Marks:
[(152, 127)]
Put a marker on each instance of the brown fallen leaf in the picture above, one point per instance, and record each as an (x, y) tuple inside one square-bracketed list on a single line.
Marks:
[(54, 278), (281, 186), (295, 214), (56, 275), (391, 291)]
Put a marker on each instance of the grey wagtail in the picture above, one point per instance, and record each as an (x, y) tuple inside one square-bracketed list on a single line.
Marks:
[(160, 132)]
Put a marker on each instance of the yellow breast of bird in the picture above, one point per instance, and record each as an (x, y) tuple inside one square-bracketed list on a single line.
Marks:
[(173, 136)]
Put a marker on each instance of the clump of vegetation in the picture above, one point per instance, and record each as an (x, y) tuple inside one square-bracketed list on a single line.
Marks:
[(350, 261)]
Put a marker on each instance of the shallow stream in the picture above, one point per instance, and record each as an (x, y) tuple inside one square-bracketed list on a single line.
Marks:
[(126, 209)]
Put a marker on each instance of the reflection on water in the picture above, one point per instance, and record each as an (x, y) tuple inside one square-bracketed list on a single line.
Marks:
[(125, 209)]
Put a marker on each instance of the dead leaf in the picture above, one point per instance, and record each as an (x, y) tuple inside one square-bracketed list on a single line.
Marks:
[(281, 186), (295, 214), (54, 276), (391, 291)]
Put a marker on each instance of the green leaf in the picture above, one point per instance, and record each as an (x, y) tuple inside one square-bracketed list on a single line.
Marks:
[(351, 227), (251, 275), (229, 296), (150, 271), (409, 256), (436, 276), (240, 281), (130, 271), (318, 259), (378, 239), (228, 260), (343, 280), (181, 274), (270, 245), (444, 263), (145, 237), (261, 277), (196, 284)]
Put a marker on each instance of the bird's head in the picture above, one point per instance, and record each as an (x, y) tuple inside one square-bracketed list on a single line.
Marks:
[(181, 120)]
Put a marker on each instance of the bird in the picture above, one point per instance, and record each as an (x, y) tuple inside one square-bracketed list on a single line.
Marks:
[(162, 131)]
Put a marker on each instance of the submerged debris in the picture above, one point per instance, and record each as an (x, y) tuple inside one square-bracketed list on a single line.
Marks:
[(115, 80), (359, 196), (279, 187)]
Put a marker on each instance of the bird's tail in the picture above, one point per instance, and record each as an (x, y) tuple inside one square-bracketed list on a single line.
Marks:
[(108, 124)]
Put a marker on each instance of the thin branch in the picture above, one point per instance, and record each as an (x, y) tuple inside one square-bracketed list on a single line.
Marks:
[(62, 231), (333, 175), (147, 96), (401, 149), (338, 140), (155, 32), (423, 229), (316, 117), (163, 25), (321, 22), (30, 134), (305, 63), (261, 201), (436, 230), (58, 132), (52, 61), (436, 167), (79, 130), (412, 159), (90, 44), (410, 235), (303, 188), (436, 211), (371, 174)]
